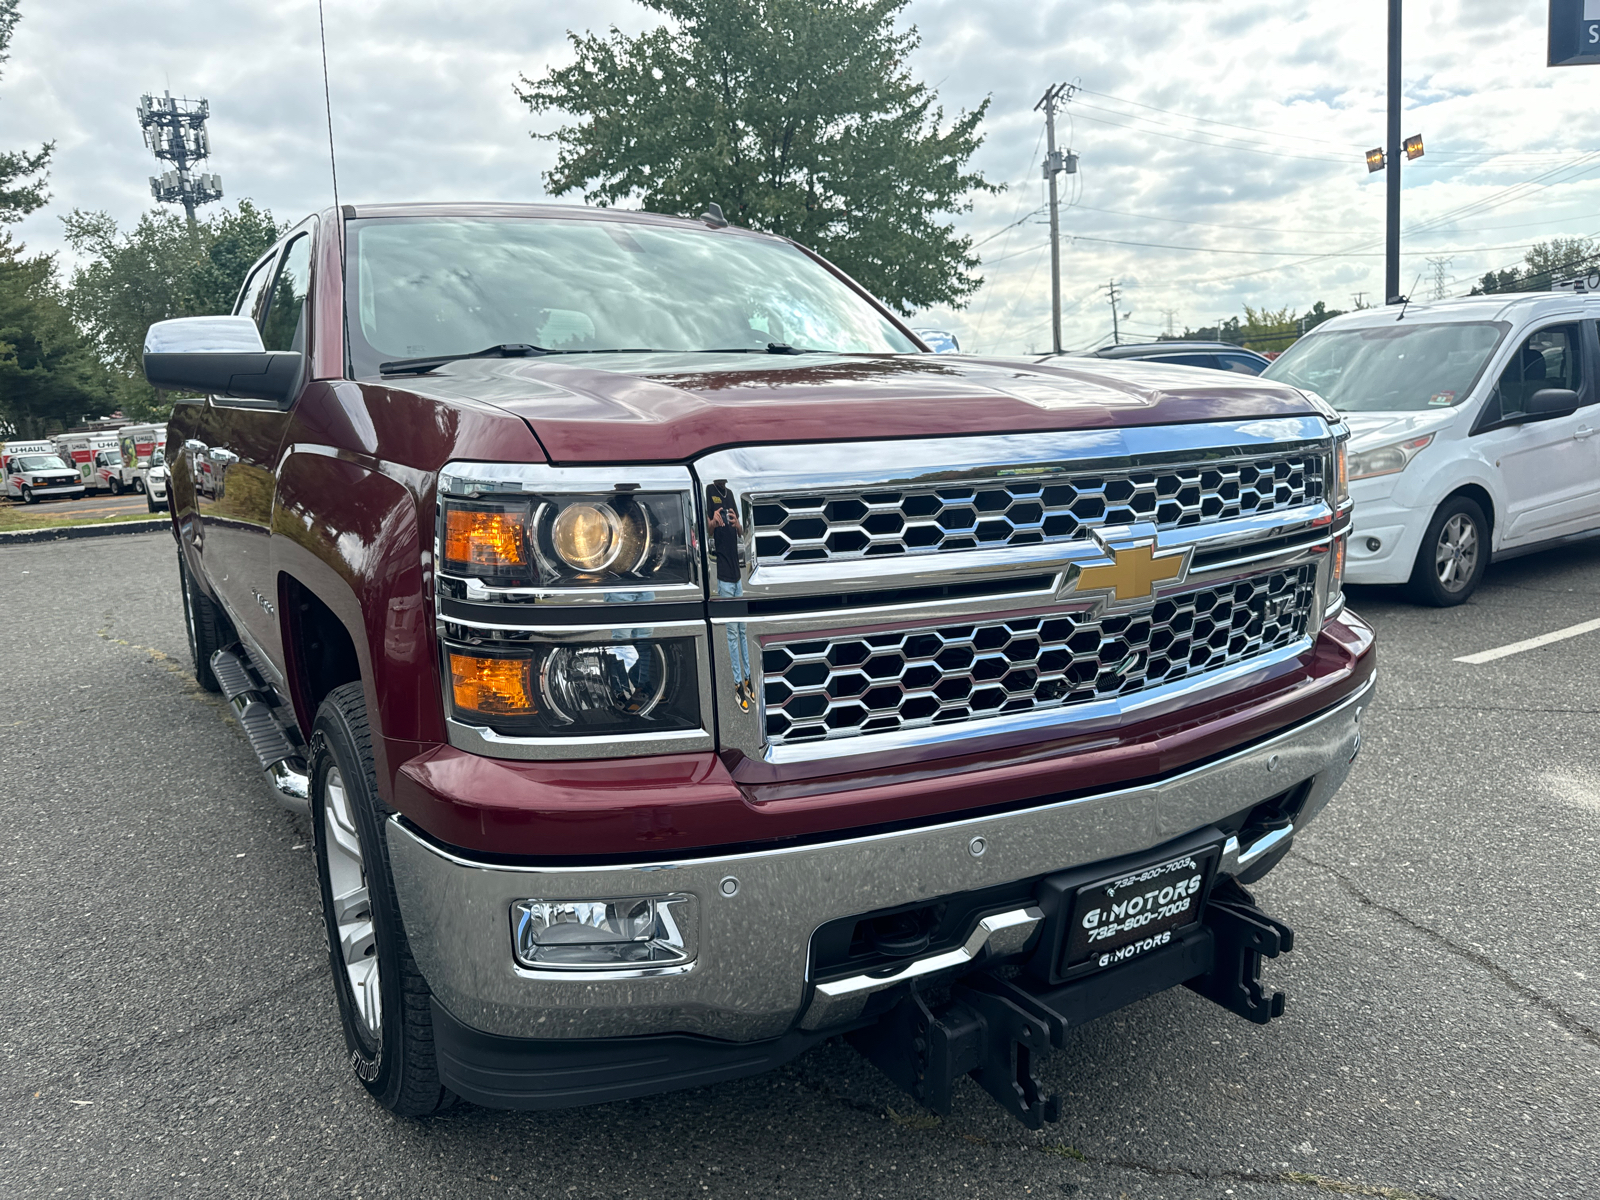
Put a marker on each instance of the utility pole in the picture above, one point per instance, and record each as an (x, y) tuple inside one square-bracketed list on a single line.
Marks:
[(175, 131), (1391, 257), (1171, 315), (1359, 299), (1116, 329), (1055, 163)]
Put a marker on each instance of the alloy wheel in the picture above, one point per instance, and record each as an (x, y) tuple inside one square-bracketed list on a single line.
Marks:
[(1456, 553), (352, 906)]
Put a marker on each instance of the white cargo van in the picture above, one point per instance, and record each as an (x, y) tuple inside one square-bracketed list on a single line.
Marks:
[(34, 471), (1473, 429), (138, 442), (78, 450)]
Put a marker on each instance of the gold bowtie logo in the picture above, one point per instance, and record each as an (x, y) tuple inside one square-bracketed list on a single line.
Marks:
[(1134, 572)]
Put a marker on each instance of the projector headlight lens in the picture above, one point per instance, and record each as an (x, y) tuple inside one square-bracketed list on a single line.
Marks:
[(587, 537)]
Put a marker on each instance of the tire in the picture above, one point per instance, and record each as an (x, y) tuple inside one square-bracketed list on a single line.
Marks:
[(116, 487), (28, 497), (384, 1002), (150, 504), (207, 627), (1453, 556), (138, 483)]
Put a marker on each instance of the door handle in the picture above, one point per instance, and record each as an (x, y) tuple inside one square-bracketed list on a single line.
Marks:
[(1583, 431)]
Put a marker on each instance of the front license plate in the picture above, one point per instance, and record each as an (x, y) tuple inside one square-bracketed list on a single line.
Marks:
[(1121, 918)]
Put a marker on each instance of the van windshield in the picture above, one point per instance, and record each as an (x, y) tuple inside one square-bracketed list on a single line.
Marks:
[(41, 462), (1390, 368), (423, 286)]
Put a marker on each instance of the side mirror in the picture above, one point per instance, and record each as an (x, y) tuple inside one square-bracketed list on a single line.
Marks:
[(1552, 402), (221, 356)]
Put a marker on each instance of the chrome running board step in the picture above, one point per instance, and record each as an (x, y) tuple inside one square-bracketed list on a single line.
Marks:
[(276, 745)]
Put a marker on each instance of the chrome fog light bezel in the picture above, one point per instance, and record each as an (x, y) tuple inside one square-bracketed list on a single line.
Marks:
[(596, 935)]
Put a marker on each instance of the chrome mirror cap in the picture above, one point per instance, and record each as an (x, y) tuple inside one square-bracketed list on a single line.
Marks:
[(204, 335)]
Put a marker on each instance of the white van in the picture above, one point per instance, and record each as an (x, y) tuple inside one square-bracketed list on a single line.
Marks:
[(79, 450), (138, 443), (1473, 429), (34, 471)]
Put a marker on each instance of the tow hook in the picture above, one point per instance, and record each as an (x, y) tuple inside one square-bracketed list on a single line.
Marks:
[(998, 1029)]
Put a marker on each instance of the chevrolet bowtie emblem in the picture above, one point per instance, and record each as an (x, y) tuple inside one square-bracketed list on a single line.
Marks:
[(1136, 569)]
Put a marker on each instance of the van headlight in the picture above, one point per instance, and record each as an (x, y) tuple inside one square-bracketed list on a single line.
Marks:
[(1387, 460)]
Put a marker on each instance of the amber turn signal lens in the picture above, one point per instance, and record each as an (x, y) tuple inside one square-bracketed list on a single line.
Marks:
[(492, 685), (491, 540)]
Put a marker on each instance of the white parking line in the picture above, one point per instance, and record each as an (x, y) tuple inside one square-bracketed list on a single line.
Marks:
[(1533, 643)]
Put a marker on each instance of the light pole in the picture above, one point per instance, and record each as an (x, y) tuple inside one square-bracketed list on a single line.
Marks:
[(1391, 254)]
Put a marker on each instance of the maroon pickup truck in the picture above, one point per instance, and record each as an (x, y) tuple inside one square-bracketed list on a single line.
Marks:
[(681, 666)]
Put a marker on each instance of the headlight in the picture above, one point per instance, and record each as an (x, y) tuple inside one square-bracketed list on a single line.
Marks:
[(577, 935), (1387, 460), (577, 689), (626, 540), (1341, 472)]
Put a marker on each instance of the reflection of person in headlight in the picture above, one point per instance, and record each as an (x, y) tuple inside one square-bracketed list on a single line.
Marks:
[(724, 522)]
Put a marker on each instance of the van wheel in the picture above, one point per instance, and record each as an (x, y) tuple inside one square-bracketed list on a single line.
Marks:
[(28, 497), (138, 483), (1453, 556), (384, 1002), (116, 487), (206, 626)]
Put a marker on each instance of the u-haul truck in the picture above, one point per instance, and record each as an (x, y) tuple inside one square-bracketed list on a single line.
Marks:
[(138, 443), (33, 470), (79, 450)]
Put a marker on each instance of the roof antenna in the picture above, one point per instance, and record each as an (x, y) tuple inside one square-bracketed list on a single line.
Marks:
[(1405, 301), (713, 214), (333, 166)]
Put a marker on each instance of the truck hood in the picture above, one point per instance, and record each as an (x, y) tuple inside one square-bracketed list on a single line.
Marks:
[(615, 408)]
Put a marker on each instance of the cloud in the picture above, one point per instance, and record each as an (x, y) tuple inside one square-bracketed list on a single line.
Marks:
[(1235, 131)]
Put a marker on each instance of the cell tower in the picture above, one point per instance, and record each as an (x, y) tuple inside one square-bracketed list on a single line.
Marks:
[(175, 131)]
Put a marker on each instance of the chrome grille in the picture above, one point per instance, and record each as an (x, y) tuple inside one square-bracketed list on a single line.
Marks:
[(888, 521), (849, 686)]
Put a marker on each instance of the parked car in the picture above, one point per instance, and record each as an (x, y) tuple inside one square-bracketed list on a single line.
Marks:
[(1472, 432), (662, 709), (1220, 356), (156, 481)]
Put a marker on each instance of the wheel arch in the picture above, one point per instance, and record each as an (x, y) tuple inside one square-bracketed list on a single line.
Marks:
[(1480, 496)]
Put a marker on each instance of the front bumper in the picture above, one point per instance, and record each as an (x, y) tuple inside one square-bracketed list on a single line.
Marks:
[(1396, 528), (748, 979)]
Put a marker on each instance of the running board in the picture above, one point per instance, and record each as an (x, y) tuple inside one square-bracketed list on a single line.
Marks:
[(277, 748), (998, 1027)]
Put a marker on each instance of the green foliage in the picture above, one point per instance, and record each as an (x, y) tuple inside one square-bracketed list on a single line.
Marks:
[(158, 269), (50, 377), (1265, 330), (1545, 263), (22, 175), (797, 116)]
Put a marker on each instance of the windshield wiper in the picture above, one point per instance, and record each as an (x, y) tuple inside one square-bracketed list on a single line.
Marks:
[(407, 366), (769, 348)]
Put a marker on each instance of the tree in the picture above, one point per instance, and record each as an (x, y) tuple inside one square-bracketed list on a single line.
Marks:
[(798, 117), (1264, 330), (161, 268), (22, 175), (1546, 263), (50, 377)]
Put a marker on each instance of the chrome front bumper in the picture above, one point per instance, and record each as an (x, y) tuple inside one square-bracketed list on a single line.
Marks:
[(748, 979)]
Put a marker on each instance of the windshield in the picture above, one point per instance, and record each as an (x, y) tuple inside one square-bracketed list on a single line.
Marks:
[(42, 462), (436, 286), (158, 459), (1390, 368)]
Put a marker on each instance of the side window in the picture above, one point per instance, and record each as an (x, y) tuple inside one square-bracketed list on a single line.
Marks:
[(1240, 364), (1189, 360), (282, 328), (1549, 358), (250, 300)]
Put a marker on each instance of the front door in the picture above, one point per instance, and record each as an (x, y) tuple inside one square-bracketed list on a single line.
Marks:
[(1547, 467), (241, 441)]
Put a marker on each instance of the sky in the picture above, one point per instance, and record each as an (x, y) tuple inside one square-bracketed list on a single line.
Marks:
[(1220, 144)]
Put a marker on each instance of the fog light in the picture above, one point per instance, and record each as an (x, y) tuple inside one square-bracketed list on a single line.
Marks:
[(597, 935), (1374, 545)]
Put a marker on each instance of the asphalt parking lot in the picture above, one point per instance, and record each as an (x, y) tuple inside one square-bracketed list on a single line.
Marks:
[(167, 1023), (91, 506)]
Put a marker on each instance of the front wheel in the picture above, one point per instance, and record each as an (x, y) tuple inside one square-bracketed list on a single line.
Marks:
[(207, 627), (1453, 556), (384, 1002), (138, 484), (116, 487), (28, 497)]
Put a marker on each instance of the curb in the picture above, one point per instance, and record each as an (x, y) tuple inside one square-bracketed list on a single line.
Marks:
[(58, 533)]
